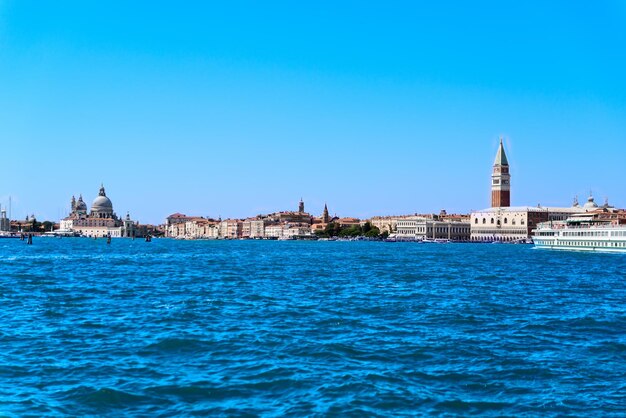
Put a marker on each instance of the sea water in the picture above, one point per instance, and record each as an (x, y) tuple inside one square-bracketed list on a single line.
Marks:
[(309, 328)]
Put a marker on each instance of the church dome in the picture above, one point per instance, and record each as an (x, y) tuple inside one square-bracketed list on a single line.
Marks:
[(102, 203), (590, 203), (81, 205)]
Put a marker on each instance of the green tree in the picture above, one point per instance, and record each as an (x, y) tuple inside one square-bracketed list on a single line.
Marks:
[(351, 231), (331, 230), (374, 232)]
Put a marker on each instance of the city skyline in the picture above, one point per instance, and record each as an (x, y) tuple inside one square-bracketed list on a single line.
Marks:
[(497, 199), (217, 110)]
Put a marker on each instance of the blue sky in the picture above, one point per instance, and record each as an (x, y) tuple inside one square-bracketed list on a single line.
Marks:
[(241, 108)]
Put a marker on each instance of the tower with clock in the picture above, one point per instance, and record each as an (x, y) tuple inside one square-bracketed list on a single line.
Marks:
[(501, 180)]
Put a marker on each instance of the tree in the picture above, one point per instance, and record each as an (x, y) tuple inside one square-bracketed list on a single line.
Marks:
[(374, 232)]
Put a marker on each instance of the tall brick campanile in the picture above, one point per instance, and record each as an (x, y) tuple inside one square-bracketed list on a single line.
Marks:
[(500, 180)]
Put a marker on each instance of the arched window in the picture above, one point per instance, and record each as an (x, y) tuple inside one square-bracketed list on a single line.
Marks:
[(476, 220), (513, 222), (484, 221), (492, 220), (506, 220)]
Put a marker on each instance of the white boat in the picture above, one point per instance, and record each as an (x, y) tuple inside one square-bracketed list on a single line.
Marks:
[(583, 232), (61, 233)]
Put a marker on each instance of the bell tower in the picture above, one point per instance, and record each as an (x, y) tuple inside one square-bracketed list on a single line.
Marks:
[(500, 180), (325, 216)]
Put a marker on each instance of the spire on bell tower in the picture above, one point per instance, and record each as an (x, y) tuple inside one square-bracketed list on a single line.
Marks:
[(301, 206), (325, 217), (500, 180)]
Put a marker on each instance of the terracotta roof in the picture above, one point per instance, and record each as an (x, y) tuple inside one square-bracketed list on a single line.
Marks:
[(177, 215)]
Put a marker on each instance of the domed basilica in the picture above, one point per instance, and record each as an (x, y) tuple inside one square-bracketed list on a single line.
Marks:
[(101, 221)]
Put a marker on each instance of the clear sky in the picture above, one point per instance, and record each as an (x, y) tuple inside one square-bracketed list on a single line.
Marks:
[(238, 108)]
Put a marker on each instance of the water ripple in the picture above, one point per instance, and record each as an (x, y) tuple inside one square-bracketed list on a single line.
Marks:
[(309, 328)]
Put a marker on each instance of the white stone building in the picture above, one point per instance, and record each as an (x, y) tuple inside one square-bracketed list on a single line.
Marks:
[(5, 223), (273, 231), (101, 220), (253, 228), (419, 229), (514, 223)]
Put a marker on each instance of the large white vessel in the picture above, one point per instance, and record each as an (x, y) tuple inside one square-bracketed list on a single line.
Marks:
[(583, 232)]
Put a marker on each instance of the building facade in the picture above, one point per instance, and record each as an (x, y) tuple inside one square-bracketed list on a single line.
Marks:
[(514, 223), (231, 229), (101, 221), (5, 223), (420, 229), (388, 224)]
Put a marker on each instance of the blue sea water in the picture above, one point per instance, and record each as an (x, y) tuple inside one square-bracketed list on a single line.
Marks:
[(247, 328)]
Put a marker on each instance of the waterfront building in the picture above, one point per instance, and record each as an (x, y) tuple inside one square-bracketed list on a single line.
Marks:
[(404, 224), (406, 227), (231, 229), (387, 224), (295, 231), (191, 227), (245, 228), (286, 231), (176, 230), (101, 220), (5, 223), (194, 228), (348, 222), (418, 228), (273, 231), (254, 228), (514, 223), (175, 219)]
